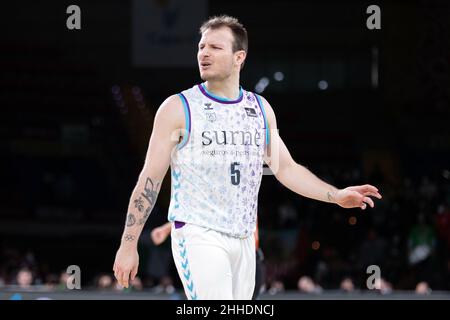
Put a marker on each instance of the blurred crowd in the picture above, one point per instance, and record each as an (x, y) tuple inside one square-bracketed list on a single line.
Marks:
[(313, 247), (309, 247)]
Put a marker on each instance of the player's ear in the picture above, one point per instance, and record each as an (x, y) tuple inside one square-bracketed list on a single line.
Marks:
[(240, 56)]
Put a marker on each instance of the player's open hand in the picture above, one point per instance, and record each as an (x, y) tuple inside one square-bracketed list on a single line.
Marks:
[(357, 196), (126, 265)]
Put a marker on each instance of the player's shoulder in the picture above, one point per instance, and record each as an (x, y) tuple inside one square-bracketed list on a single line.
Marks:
[(171, 111), (171, 104), (265, 104), (263, 100), (176, 101), (252, 95)]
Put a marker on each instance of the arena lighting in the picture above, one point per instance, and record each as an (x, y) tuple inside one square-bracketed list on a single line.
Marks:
[(278, 76), (323, 85), (262, 84), (352, 221)]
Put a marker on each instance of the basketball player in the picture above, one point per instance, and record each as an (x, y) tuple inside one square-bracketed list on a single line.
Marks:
[(216, 169)]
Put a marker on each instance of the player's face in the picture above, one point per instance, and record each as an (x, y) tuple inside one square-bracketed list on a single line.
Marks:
[(215, 54)]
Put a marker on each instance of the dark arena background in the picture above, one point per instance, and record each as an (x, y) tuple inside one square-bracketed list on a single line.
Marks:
[(355, 103)]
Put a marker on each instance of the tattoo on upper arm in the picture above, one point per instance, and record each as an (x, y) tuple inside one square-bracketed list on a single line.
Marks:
[(131, 220)]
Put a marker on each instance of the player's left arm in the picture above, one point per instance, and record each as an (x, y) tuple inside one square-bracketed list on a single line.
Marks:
[(302, 181)]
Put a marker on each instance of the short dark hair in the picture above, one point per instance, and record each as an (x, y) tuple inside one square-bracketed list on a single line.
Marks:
[(237, 29)]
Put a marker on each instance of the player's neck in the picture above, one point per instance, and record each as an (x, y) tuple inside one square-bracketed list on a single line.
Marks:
[(228, 88)]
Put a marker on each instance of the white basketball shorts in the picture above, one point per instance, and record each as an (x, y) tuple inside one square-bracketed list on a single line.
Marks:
[(213, 265)]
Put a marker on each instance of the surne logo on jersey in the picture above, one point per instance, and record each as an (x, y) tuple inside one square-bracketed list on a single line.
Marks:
[(251, 112)]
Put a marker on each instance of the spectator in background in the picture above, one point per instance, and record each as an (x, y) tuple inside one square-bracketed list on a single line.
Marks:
[(421, 241), (136, 284), (423, 288), (383, 286), (165, 285), (104, 282), (63, 278), (306, 284), (275, 287), (347, 285), (24, 278), (51, 282)]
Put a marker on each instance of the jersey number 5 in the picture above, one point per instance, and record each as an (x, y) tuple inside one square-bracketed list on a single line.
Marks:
[(235, 174)]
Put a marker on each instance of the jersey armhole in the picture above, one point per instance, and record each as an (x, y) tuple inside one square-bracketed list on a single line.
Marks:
[(266, 124), (187, 121)]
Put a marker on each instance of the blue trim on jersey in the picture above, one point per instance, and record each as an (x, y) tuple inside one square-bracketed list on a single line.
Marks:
[(221, 99), (258, 98), (176, 185), (187, 121)]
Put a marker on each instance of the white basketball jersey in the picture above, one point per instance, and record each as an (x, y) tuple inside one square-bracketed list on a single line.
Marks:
[(217, 168)]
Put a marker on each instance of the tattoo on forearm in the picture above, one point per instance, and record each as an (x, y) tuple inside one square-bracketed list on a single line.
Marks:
[(139, 204), (150, 194), (145, 216), (151, 191), (330, 196), (131, 220), (129, 237)]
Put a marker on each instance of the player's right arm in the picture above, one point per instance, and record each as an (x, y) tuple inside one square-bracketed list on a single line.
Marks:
[(167, 128)]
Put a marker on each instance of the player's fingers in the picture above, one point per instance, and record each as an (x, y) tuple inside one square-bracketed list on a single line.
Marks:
[(363, 206), (369, 201), (373, 194), (370, 188), (133, 273), (118, 275), (364, 188), (125, 278)]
